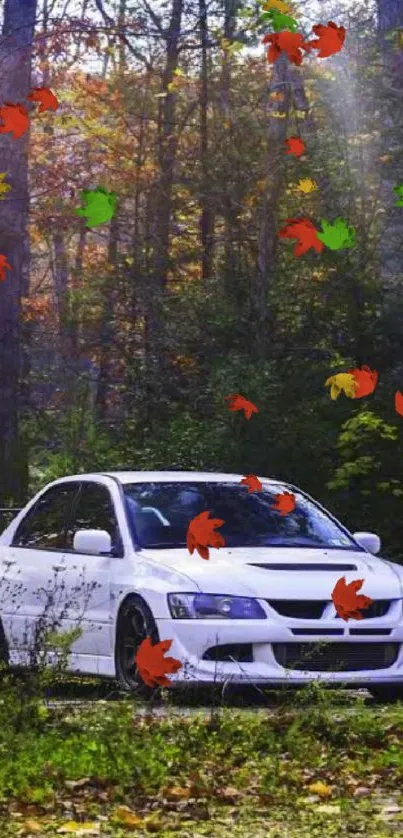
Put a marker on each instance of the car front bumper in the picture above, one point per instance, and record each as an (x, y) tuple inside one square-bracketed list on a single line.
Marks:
[(192, 638)]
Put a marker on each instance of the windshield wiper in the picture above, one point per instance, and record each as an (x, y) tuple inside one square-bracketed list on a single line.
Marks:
[(157, 544)]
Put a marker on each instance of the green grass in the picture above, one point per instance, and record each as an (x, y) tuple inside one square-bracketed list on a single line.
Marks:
[(233, 770)]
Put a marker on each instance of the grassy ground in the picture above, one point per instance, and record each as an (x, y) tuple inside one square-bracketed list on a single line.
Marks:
[(315, 764)]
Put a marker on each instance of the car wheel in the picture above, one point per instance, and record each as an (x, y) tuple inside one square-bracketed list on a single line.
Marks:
[(135, 623), (387, 694)]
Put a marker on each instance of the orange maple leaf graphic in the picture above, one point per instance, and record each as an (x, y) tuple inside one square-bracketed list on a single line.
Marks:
[(330, 39), (291, 43), (285, 503), (3, 266), (47, 99), (152, 665), (252, 482), (201, 533), (15, 119), (399, 402), (238, 402), (295, 146), (306, 233), (366, 381), (346, 600)]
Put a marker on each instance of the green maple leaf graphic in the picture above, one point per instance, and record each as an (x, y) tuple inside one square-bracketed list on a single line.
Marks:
[(279, 21), (337, 236), (398, 190), (100, 206)]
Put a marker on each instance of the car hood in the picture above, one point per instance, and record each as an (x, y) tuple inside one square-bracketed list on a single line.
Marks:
[(281, 573)]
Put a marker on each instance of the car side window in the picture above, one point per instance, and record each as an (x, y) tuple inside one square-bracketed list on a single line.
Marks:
[(44, 526), (94, 511)]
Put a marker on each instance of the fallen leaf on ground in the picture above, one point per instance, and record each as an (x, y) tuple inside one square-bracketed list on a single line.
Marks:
[(126, 816), (321, 788), (79, 829)]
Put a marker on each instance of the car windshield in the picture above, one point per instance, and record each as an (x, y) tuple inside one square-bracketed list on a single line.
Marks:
[(160, 513)]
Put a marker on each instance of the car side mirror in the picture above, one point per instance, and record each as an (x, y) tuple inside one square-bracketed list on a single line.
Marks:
[(92, 541), (369, 541)]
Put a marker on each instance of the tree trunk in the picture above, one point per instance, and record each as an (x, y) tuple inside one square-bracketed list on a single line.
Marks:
[(206, 219), (15, 77)]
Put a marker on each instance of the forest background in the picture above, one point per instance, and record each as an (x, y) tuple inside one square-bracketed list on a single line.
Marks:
[(118, 344)]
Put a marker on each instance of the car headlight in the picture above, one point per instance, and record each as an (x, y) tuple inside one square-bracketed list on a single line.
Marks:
[(203, 606)]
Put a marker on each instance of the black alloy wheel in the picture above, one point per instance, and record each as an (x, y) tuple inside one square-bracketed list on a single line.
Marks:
[(135, 623)]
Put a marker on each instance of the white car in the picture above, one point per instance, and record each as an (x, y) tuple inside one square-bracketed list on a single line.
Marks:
[(108, 551)]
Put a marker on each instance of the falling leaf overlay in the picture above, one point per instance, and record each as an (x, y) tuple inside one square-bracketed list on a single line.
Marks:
[(342, 382), (279, 5), (366, 381), (330, 39), (3, 266), (45, 97), (337, 236), (100, 206), (4, 187), (152, 665), (295, 146), (306, 233), (252, 482), (346, 600), (15, 119), (307, 185), (285, 503), (398, 190), (201, 535), (399, 402), (292, 43), (280, 21), (238, 402)]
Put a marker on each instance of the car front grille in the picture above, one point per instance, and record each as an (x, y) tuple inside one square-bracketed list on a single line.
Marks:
[(313, 609), (335, 657), (241, 652)]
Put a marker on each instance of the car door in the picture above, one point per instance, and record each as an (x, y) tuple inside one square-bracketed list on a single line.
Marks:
[(88, 575), (32, 575)]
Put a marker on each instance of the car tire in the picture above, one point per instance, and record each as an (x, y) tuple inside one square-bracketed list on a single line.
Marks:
[(387, 694), (135, 623)]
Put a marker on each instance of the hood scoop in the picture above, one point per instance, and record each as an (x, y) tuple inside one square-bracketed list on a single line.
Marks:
[(300, 566)]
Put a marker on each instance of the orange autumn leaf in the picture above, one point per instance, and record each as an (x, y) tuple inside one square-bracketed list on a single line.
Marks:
[(238, 402), (346, 600), (292, 43), (277, 97), (399, 402), (201, 534), (4, 265), (252, 482), (15, 119), (47, 99), (295, 146), (330, 39), (285, 503), (366, 380), (306, 233), (152, 665)]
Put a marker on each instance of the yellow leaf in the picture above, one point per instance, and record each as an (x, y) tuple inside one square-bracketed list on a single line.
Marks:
[(322, 788), (126, 816), (4, 187), (345, 382), (177, 792), (307, 185), (279, 5), (80, 829), (277, 115), (32, 825)]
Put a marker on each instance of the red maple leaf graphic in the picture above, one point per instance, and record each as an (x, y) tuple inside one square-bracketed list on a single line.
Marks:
[(3, 266), (201, 533), (347, 601), (252, 482), (306, 233), (330, 39), (15, 119), (285, 503), (238, 402), (152, 665), (291, 43), (295, 146), (47, 99), (399, 402), (366, 381)]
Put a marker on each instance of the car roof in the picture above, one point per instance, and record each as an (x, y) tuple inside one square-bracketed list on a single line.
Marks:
[(167, 476)]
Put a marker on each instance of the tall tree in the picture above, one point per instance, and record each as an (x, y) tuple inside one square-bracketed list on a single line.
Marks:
[(15, 76)]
